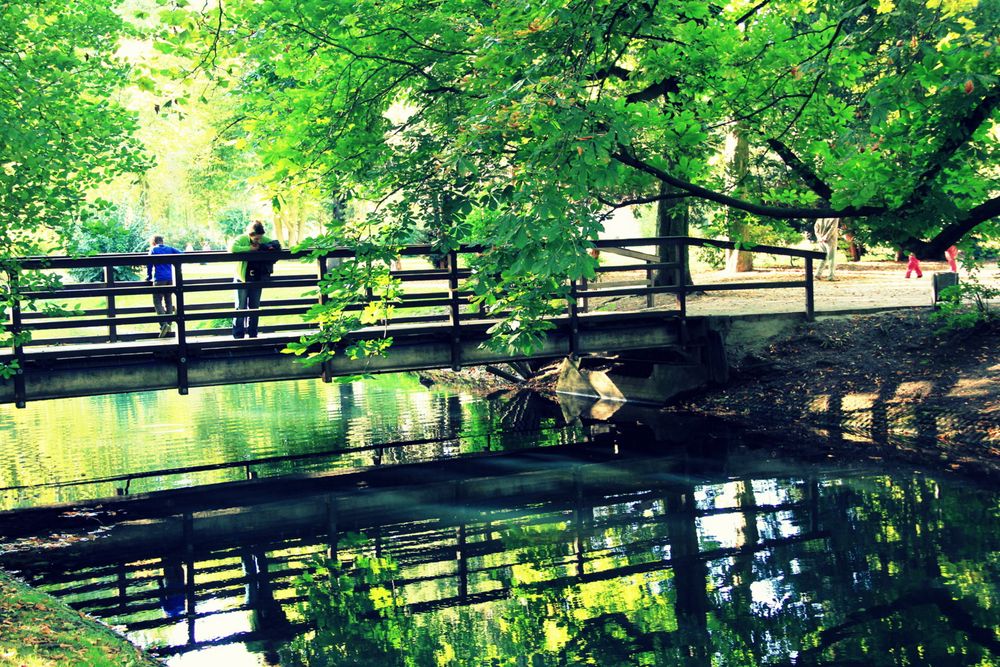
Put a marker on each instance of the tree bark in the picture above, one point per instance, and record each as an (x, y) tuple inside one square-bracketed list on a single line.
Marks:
[(738, 261), (672, 219)]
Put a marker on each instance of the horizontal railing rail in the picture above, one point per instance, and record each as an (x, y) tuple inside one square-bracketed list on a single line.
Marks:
[(109, 311)]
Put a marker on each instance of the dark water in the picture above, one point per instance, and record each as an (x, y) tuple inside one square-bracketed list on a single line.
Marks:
[(562, 542)]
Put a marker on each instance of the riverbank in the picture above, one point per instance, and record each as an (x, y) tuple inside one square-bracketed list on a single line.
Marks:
[(37, 630), (887, 386)]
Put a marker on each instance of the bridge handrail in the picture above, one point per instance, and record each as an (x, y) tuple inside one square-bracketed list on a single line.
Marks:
[(218, 256)]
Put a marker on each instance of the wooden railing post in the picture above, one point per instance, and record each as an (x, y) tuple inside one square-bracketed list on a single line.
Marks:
[(682, 259), (16, 329), (109, 282), (326, 375), (182, 361), (650, 296), (810, 295), (586, 299), (680, 252), (455, 315), (574, 322)]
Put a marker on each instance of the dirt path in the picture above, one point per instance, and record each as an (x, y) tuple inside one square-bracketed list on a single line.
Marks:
[(858, 285)]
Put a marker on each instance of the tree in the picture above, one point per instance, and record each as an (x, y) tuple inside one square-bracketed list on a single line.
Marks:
[(61, 131), (111, 231), (542, 116)]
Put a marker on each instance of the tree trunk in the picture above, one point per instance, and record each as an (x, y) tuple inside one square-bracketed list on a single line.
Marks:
[(672, 219), (738, 261)]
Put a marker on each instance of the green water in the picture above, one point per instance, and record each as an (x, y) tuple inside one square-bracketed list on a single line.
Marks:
[(697, 548), (53, 451)]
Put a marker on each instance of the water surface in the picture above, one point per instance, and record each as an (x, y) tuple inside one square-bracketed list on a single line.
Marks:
[(577, 542)]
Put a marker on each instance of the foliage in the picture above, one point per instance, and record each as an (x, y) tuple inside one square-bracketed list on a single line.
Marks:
[(966, 305), (109, 232), (233, 222), (540, 118), (358, 615), (61, 130)]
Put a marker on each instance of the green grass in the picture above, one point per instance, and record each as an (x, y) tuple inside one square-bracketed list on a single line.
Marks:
[(37, 630)]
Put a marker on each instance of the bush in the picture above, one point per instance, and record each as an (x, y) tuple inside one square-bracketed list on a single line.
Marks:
[(109, 232), (233, 222), (966, 305)]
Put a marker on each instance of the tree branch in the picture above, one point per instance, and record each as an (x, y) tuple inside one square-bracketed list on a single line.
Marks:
[(953, 232), (612, 71), (801, 169), (654, 90), (642, 200), (781, 213), (753, 10)]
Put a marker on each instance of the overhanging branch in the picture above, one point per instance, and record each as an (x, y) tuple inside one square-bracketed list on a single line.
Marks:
[(801, 169), (778, 212), (953, 232)]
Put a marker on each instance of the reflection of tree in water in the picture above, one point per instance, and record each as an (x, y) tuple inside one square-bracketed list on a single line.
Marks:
[(268, 620), (872, 571), (360, 618), (515, 421)]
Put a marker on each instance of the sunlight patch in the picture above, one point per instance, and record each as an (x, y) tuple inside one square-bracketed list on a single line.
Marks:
[(971, 387), (820, 404), (914, 389), (858, 402)]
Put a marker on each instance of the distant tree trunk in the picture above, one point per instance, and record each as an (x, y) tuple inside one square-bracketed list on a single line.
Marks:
[(854, 249), (672, 219), (739, 261), (279, 225)]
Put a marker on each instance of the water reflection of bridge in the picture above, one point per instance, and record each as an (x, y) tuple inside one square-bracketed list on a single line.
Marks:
[(108, 343), (590, 513)]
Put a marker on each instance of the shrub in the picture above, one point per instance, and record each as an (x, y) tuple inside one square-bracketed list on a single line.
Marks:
[(966, 305), (109, 232)]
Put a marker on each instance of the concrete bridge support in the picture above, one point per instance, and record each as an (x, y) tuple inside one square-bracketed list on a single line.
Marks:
[(656, 376)]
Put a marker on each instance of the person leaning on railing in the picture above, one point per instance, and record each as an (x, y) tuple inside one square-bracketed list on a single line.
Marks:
[(161, 275), (248, 297)]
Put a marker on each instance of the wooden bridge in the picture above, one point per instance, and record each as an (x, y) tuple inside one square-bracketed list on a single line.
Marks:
[(109, 342)]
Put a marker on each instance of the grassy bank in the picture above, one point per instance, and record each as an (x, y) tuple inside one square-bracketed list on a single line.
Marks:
[(37, 630)]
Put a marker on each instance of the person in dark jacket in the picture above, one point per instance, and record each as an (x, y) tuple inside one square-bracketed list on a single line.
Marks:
[(161, 275), (249, 275)]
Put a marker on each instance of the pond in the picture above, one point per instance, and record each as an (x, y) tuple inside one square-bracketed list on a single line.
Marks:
[(386, 523)]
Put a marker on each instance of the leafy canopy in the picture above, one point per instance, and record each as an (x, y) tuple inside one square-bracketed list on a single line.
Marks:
[(519, 125), (62, 132)]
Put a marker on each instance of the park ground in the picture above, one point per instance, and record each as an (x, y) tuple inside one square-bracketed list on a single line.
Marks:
[(872, 379)]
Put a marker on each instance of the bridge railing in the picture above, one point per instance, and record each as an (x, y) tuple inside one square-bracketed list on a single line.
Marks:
[(431, 295), (114, 314)]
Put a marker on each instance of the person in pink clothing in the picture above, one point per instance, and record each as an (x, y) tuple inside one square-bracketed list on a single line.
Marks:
[(951, 254), (914, 265)]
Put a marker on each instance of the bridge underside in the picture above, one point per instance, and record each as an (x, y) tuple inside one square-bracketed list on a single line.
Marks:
[(86, 370)]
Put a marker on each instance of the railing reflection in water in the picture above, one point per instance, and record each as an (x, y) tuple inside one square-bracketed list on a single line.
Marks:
[(642, 559)]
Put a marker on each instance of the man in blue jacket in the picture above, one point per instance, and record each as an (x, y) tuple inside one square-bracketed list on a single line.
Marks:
[(162, 274)]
